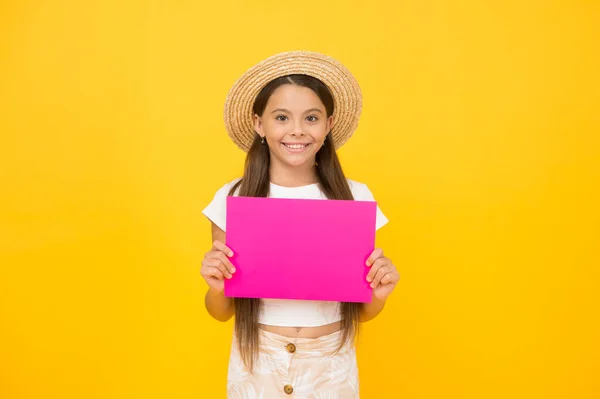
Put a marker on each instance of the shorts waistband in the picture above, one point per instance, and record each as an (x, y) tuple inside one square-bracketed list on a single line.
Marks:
[(303, 347)]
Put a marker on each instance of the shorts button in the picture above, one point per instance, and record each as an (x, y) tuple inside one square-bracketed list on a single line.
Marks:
[(288, 389), (291, 348)]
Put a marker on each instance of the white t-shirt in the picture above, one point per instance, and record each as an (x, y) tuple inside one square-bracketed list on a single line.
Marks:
[(284, 312)]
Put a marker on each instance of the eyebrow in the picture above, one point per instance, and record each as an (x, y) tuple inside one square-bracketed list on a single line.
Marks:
[(306, 112)]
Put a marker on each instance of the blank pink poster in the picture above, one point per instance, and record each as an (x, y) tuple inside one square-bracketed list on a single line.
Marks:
[(300, 248)]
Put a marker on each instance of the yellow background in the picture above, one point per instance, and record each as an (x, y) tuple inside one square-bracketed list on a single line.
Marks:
[(479, 138)]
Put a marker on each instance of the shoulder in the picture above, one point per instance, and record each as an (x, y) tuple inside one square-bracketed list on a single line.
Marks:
[(216, 210), (223, 191), (360, 191)]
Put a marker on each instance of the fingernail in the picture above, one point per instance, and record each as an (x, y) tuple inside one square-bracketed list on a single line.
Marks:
[(369, 279), (233, 270), (230, 254), (372, 285)]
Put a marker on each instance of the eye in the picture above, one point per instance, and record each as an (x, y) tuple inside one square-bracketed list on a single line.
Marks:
[(281, 117), (314, 118)]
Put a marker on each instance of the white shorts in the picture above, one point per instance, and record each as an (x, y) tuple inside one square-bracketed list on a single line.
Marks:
[(308, 368)]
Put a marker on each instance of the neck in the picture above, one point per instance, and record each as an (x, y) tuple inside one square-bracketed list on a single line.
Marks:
[(292, 176)]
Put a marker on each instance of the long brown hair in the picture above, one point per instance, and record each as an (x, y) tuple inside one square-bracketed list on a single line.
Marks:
[(256, 182)]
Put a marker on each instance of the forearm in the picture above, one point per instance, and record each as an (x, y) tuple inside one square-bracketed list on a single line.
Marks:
[(370, 310), (218, 305)]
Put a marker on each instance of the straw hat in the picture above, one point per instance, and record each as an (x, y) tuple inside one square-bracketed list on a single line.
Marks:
[(347, 96)]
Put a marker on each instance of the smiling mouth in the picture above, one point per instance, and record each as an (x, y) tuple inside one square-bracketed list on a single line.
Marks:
[(295, 146)]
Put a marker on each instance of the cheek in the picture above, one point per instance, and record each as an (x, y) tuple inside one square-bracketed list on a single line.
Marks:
[(274, 130), (318, 132)]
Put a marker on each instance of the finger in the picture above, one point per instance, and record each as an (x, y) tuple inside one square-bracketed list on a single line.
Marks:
[(213, 272), (223, 259), (375, 268), (218, 245), (386, 279), (377, 253), (217, 264), (390, 278), (384, 270)]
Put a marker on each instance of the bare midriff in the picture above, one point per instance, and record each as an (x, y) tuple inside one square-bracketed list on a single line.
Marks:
[(303, 332)]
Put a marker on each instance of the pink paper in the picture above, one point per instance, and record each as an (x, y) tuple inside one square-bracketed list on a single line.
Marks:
[(300, 248)]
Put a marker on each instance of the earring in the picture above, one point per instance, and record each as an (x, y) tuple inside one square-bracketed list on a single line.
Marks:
[(262, 141)]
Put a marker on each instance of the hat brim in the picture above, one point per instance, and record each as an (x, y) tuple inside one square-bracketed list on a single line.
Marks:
[(346, 93)]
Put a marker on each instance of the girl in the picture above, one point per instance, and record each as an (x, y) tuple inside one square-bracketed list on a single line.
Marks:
[(290, 113)]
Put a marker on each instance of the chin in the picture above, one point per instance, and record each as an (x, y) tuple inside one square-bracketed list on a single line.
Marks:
[(295, 161)]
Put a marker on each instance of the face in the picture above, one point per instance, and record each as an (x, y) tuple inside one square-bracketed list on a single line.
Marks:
[(294, 125)]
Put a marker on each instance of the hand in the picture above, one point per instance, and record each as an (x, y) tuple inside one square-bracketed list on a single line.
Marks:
[(383, 275), (216, 266)]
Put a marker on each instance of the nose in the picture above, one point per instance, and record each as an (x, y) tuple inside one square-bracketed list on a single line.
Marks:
[(297, 130)]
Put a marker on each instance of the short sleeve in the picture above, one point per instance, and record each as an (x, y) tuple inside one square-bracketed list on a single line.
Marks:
[(216, 210), (364, 194)]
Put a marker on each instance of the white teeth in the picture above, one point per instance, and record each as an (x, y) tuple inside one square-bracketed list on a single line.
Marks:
[(295, 146)]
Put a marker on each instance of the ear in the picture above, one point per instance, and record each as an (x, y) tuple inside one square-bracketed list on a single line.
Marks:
[(258, 126), (330, 123)]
